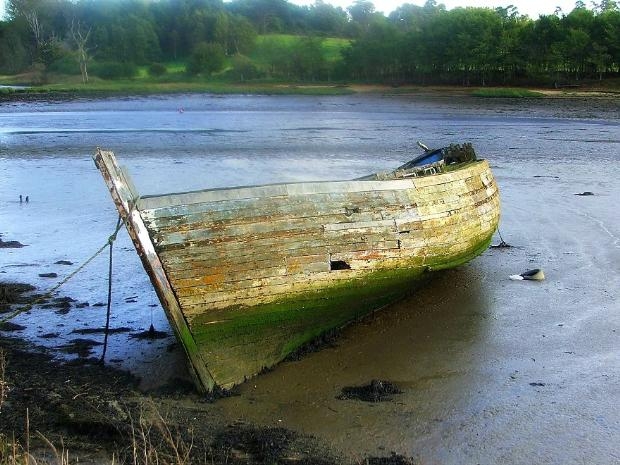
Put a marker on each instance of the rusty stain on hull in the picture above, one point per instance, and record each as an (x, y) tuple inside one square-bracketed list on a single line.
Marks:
[(248, 274)]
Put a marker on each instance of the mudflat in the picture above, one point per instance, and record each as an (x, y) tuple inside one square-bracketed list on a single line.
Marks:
[(473, 368)]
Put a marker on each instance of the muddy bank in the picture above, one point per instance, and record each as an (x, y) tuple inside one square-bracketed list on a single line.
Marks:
[(96, 413), (24, 94)]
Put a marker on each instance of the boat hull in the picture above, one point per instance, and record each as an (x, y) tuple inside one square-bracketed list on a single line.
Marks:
[(248, 275)]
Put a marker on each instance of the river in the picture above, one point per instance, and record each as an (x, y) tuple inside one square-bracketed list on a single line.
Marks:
[(491, 370)]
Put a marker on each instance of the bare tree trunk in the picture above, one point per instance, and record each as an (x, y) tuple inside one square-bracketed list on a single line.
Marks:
[(32, 18), (81, 38), (83, 70)]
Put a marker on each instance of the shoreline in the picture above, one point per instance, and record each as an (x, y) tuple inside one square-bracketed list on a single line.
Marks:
[(131, 88)]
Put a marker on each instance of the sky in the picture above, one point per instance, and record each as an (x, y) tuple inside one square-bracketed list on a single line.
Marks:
[(532, 8)]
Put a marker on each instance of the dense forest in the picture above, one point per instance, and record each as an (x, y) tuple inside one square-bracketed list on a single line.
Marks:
[(277, 40)]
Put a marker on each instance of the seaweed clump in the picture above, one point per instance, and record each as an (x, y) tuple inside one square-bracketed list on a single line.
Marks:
[(393, 459), (12, 293), (250, 444), (375, 391)]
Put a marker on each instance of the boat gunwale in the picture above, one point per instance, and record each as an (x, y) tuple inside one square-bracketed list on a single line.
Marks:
[(284, 189)]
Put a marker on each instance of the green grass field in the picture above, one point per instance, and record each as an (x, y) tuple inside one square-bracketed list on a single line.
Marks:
[(330, 46), (506, 92)]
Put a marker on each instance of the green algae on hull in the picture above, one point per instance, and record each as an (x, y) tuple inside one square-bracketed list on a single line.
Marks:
[(280, 328)]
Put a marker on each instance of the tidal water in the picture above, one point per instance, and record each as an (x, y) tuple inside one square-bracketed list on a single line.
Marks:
[(491, 370)]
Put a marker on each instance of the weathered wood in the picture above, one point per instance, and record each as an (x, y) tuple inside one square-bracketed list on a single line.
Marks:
[(343, 202), (272, 190), (248, 274)]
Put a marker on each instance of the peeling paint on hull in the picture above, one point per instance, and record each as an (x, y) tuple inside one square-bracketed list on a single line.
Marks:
[(247, 275)]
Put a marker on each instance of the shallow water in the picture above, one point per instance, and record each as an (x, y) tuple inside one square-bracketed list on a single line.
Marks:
[(492, 370)]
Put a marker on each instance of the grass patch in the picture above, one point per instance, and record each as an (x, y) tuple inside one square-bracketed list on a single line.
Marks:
[(331, 47), (4, 387), (506, 92), (172, 68)]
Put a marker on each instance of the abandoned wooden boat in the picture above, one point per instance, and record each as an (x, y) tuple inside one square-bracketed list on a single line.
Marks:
[(247, 275)]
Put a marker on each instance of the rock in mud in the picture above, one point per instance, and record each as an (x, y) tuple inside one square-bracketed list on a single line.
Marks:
[(62, 303), (48, 275), (151, 333), (8, 326), (10, 244)]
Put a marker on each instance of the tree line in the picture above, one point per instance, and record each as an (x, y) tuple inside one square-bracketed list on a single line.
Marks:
[(481, 46), (414, 44)]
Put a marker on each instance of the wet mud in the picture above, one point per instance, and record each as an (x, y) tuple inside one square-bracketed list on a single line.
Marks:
[(95, 411)]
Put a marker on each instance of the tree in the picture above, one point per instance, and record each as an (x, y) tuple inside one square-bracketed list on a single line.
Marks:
[(206, 58), (36, 14), (269, 15), (326, 19), (361, 13), (241, 36), (375, 55), (80, 38), (427, 44), (540, 44), (243, 68), (307, 61), (13, 50), (605, 5), (275, 54)]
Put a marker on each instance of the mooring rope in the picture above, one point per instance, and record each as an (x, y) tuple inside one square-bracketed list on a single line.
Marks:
[(502, 244), (49, 293), (107, 317)]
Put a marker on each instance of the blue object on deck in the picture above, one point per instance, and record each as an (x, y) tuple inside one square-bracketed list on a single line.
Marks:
[(428, 158)]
